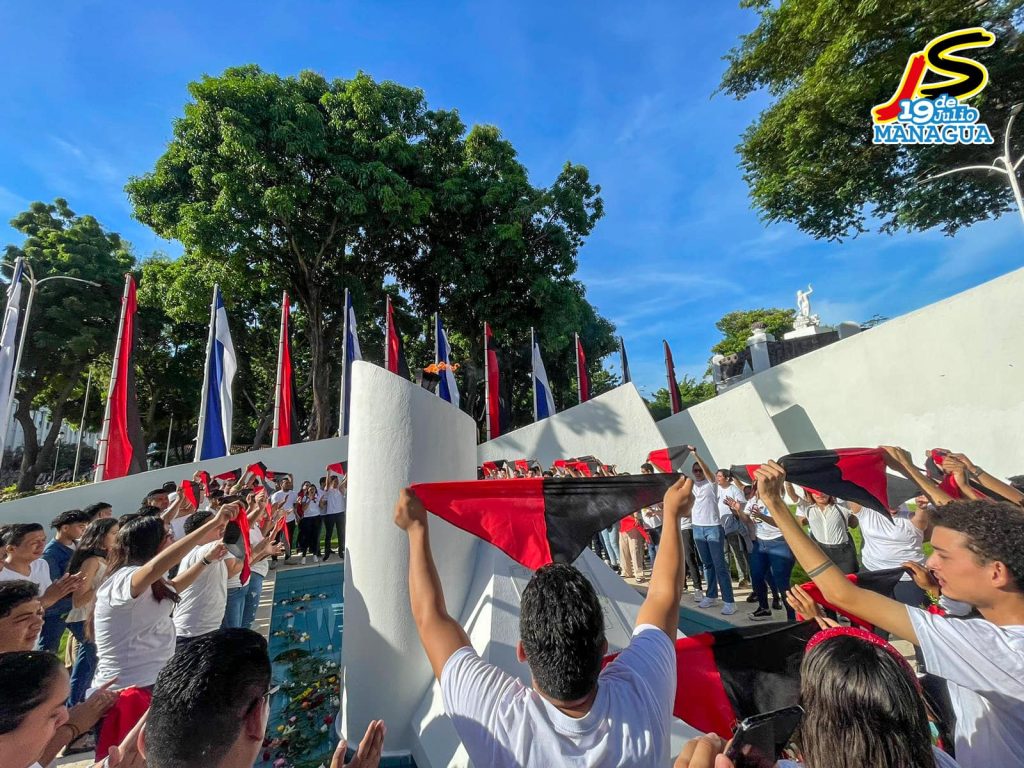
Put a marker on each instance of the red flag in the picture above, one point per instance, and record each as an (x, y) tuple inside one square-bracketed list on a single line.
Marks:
[(674, 397), (669, 459), (232, 475), (192, 491), (337, 468), (497, 414), (204, 480), (286, 417), (581, 372), (123, 451), (242, 520), (394, 350)]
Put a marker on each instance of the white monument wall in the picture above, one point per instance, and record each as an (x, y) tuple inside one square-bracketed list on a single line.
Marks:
[(306, 461), (949, 375), (616, 427)]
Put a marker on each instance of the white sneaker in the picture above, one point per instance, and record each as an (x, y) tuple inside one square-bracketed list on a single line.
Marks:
[(707, 602), (316, 559), (698, 595), (303, 561), (728, 609)]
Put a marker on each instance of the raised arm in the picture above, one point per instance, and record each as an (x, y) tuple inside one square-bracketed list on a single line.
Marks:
[(154, 570), (708, 474), (835, 587), (440, 634), (661, 606), (984, 479), (899, 460)]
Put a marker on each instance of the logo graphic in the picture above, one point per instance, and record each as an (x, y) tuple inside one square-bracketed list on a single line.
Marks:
[(933, 113)]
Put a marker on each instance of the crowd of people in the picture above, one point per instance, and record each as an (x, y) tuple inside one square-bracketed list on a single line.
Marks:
[(151, 610)]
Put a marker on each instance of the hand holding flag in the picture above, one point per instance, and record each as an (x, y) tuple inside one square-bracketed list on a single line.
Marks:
[(409, 510)]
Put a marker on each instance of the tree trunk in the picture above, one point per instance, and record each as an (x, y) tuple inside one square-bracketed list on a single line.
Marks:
[(266, 422), (37, 459), (320, 418)]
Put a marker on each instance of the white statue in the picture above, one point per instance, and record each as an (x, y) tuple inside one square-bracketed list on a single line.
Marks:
[(803, 302)]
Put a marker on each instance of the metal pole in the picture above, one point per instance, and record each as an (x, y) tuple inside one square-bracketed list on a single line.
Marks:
[(101, 458), (1011, 170), (277, 385), (56, 458), (579, 378), (206, 381), (487, 385), (81, 426), (167, 450), (387, 329), (344, 368), (533, 369)]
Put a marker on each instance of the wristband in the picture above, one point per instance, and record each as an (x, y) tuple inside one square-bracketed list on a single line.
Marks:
[(206, 562)]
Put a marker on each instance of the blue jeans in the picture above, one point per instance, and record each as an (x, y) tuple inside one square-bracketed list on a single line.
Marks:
[(710, 541), (610, 539), (772, 559), (85, 664), (252, 599), (233, 611), (52, 632)]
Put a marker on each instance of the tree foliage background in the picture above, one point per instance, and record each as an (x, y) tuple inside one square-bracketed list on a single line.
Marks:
[(808, 158)]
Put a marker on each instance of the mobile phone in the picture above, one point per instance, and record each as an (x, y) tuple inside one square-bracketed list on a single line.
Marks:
[(233, 539), (759, 740)]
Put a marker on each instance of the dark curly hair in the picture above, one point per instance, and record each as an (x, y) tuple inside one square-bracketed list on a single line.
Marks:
[(994, 531), (562, 629)]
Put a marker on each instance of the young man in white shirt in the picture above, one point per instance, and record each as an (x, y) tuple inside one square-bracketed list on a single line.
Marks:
[(709, 536), (285, 498), (979, 559), (202, 605), (737, 537), (334, 515), (575, 712)]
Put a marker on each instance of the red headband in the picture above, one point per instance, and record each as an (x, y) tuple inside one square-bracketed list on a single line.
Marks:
[(870, 637)]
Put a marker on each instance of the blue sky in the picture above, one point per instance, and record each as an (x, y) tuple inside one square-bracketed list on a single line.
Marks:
[(91, 90)]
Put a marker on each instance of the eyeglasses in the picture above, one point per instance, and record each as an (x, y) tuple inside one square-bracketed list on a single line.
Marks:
[(266, 696)]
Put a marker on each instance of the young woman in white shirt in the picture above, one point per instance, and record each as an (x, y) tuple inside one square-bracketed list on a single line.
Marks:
[(23, 545), (771, 562), (89, 560), (829, 523), (134, 631)]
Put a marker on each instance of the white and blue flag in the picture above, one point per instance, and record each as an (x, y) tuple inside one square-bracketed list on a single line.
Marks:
[(9, 350), (349, 354), (214, 439), (446, 388), (543, 401)]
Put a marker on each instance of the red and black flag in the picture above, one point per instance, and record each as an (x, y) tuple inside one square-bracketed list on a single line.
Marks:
[(537, 521), (394, 350), (582, 379), (232, 475), (193, 492), (338, 467), (851, 474), (286, 402), (669, 459), (122, 448), (497, 410), (204, 480), (948, 482), (675, 399), (725, 676), (883, 582)]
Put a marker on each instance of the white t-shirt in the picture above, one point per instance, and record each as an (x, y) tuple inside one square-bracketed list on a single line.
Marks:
[(203, 602), (134, 635), (983, 665), (653, 516), (38, 573), (335, 502), (828, 525), (178, 527), (765, 532), (705, 503), (289, 498), (942, 760), (503, 722), (255, 537), (313, 505), (729, 492), (889, 545)]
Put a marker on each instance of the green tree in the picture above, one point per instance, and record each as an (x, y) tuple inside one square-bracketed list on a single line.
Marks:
[(808, 158), (691, 390), (735, 327), (71, 326)]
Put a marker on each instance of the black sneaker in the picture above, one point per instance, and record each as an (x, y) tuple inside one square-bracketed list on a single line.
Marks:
[(776, 604), (328, 556), (751, 598), (761, 613)]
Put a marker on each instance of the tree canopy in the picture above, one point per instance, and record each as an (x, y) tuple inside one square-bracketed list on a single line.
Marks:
[(735, 327), (809, 158), (315, 186)]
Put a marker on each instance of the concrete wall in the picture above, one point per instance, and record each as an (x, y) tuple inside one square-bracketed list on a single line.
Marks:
[(306, 461), (616, 427), (950, 375)]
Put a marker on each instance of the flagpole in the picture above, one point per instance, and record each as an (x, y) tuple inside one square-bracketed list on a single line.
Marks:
[(277, 386), (344, 368), (81, 426), (387, 332), (579, 378), (167, 450), (487, 386), (101, 459), (533, 368), (204, 398)]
